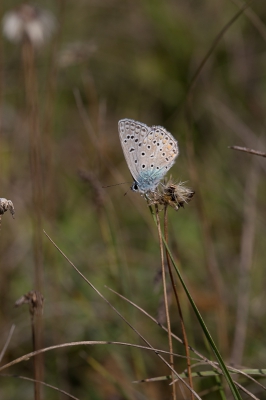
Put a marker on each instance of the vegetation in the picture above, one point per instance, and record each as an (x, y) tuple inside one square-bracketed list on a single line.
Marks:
[(198, 69)]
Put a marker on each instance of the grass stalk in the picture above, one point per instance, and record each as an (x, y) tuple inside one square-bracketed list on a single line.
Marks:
[(184, 334), (49, 115), (168, 322), (36, 307), (246, 255), (31, 92), (2, 353)]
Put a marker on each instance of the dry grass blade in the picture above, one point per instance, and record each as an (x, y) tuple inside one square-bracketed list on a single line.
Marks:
[(83, 343), (246, 391), (7, 342), (248, 376), (254, 19)]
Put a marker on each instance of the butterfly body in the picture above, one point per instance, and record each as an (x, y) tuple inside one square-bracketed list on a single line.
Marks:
[(149, 151)]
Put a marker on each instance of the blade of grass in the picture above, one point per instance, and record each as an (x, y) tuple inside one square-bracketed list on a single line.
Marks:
[(27, 356), (7, 342), (201, 374)]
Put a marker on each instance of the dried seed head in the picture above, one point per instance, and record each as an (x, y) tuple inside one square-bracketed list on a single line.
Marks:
[(171, 194), (6, 205), (34, 299), (75, 53), (28, 22)]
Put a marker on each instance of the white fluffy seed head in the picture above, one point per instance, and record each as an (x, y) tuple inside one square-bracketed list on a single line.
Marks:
[(31, 22)]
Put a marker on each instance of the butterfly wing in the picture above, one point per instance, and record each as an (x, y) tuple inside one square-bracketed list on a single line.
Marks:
[(156, 155), (131, 134)]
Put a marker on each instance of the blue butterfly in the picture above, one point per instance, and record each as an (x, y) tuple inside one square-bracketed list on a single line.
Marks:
[(149, 153)]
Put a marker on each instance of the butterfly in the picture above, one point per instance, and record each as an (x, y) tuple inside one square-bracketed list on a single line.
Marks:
[(149, 152)]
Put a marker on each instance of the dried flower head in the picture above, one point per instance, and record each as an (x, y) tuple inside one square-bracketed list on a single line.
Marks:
[(75, 53), (6, 205), (171, 194), (28, 22), (34, 299)]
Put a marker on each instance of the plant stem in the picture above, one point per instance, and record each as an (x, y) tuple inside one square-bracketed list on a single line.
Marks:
[(178, 304), (245, 264), (31, 91), (166, 301)]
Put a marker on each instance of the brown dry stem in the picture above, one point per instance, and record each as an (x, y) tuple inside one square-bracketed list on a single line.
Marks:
[(166, 299)]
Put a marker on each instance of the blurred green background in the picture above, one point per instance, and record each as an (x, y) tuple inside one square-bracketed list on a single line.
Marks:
[(106, 61)]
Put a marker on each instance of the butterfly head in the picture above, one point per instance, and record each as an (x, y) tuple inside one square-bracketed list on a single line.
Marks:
[(135, 187)]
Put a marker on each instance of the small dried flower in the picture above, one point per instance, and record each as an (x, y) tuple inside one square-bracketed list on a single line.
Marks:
[(34, 299), (6, 205), (171, 194), (28, 22)]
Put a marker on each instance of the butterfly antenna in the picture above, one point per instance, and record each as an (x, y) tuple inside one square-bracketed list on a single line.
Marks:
[(117, 184)]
